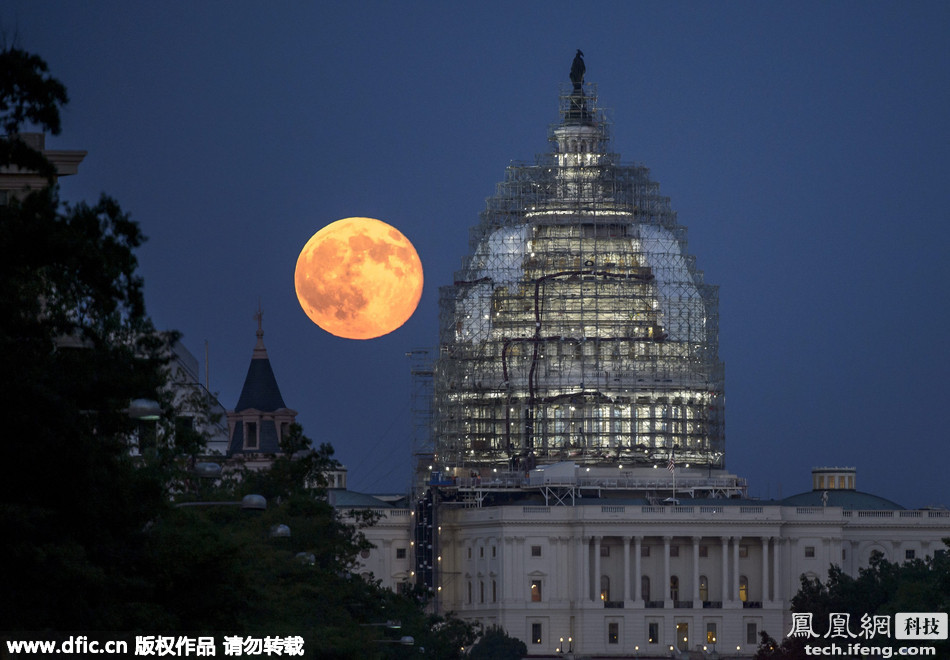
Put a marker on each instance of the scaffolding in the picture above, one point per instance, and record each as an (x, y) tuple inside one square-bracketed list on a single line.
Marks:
[(423, 449), (579, 327)]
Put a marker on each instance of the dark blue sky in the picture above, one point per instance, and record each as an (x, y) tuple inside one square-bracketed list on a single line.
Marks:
[(805, 145)]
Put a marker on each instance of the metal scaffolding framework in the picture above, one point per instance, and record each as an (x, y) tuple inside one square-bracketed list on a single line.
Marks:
[(579, 327)]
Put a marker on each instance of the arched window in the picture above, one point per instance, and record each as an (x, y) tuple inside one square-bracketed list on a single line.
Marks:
[(743, 588), (604, 588), (674, 588), (703, 588), (645, 586)]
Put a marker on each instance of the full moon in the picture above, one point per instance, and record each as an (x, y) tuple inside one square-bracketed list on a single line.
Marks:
[(358, 278)]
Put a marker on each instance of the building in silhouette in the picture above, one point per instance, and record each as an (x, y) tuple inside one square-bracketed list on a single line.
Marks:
[(261, 418)]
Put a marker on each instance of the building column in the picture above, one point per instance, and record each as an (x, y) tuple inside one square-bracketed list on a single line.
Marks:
[(597, 540), (554, 590), (765, 568), (579, 564), (508, 570), (776, 551), (696, 601), (626, 570), (725, 569), (637, 573), (735, 567), (522, 584), (585, 571), (667, 602)]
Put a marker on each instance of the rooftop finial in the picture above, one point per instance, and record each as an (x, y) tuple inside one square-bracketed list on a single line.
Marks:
[(577, 72), (259, 317)]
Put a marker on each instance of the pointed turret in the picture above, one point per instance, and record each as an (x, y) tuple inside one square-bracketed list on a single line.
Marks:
[(260, 419)]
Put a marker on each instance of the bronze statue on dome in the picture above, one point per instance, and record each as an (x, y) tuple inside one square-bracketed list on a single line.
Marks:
[(577, 72)]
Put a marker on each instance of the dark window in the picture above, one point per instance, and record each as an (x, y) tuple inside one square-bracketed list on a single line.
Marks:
[(494, 591), (910, 554), (653, 633), (674, 551), (605, 551), (704, 551), (674, 588), (743, 551), (644, 551), (400, 553), (809, 551), (645, 587), (250, 435), (536, 551), (535, 633), (613, 633), (494, 548), (751, 633)]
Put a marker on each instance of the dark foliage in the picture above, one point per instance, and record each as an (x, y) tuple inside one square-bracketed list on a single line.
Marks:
[(883, 589), (496, 644)]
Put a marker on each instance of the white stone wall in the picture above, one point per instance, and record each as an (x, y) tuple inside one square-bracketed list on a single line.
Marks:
[(390, 559), (750, 556)]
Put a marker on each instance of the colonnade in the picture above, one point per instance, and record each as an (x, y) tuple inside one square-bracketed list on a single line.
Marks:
[(732, 591)]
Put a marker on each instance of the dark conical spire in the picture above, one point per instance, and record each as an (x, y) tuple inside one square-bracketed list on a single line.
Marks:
[(260, 389)]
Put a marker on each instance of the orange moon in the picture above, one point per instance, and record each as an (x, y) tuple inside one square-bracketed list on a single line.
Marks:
[(358, 278)]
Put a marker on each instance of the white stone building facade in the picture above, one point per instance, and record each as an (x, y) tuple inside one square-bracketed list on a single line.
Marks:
[(634, 580)]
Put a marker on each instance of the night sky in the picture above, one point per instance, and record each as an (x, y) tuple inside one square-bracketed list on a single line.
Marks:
[(805, 146)]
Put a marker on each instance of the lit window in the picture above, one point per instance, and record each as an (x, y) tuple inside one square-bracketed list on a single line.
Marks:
[(536, 591), (743, 588), (604, 588), (710, 633), (703, 588)]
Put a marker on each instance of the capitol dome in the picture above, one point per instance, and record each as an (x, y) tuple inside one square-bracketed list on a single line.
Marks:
[(578, 327)]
